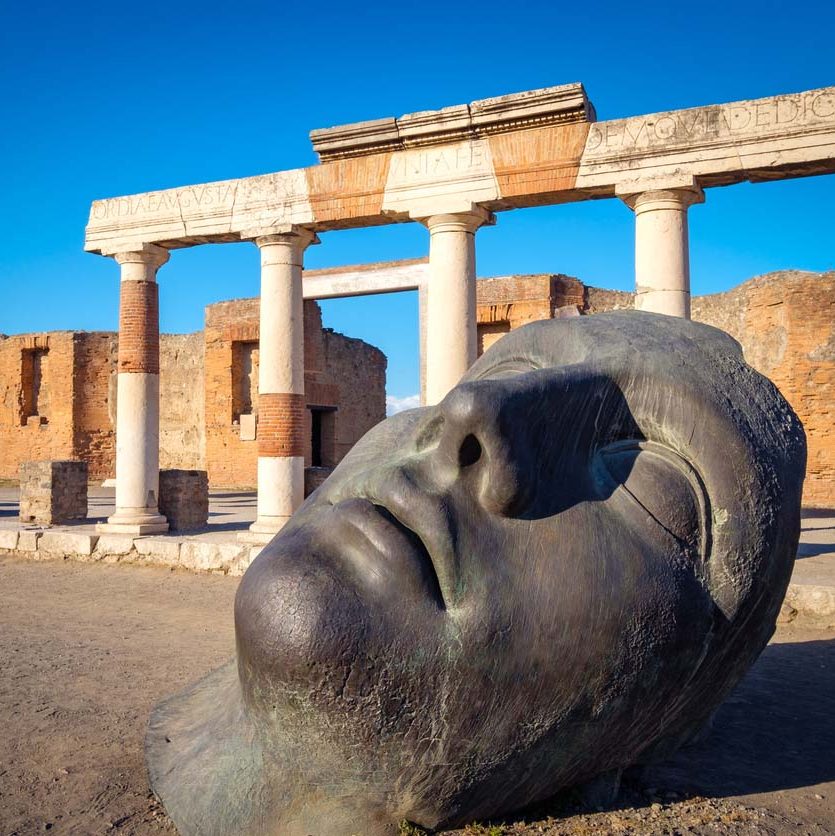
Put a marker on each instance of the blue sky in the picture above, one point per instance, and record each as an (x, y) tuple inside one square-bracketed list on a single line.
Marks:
[(104, 99)]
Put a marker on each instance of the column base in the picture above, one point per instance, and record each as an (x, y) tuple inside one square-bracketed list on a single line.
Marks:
[(127, 522), (262, 530)]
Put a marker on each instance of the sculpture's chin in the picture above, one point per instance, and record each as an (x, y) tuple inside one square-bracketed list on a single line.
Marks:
[(295, 617)]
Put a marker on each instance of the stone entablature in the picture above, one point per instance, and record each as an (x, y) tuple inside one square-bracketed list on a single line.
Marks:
[(549, 106), (762, 139)]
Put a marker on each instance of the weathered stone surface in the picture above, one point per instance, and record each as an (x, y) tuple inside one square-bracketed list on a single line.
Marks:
[(158, 550), (27, 541), (203, 556), (8, 539), (53, 492), (184, 498), (114, 544), (67, 543), (472, 614)]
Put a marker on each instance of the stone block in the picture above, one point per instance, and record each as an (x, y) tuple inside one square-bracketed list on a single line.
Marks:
[(114, 544), (247, 427), (164, 551), (27, 541), (53, 492), (184, 498), (204, 556), (67, 543), (8, 539)]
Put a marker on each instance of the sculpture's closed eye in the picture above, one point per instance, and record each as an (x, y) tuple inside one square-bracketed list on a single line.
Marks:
[(659, 484)]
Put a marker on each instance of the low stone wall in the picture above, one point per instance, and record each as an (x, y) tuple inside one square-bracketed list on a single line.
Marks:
[(228, 558)]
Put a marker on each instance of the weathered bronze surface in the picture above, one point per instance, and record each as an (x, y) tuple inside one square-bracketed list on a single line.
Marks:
[(559, 571)]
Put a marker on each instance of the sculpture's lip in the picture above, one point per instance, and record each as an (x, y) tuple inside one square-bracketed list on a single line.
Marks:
[(421, 518)]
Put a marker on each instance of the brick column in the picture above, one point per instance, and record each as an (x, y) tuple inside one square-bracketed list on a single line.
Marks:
[(662, 251), (281, 403), (451, 334), (137, 403)]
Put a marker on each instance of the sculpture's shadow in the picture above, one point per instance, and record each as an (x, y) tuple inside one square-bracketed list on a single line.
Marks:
[(776, 731)]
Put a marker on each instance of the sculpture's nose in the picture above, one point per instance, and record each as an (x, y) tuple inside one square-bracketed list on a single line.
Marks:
[(469, 442)]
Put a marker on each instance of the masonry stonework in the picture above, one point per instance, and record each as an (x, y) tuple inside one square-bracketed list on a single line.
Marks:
[(53, 492), (344, 397)]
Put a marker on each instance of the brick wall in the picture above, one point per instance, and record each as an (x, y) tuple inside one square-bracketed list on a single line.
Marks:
[(343, 375), (508, 302), (94, 402), (30, 430)]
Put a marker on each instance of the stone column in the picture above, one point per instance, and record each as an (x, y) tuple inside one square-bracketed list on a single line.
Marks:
[(662, 253), (137, 399), (451, 336), (281, 403)]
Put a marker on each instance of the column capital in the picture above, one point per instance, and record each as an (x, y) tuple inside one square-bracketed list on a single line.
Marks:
[(458, 221), (288, 234), (673, 192), (149, 254)]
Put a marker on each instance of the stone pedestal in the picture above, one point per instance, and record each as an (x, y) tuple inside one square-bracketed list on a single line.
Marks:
[(137, 403), (53, 492), (184, 498), (281, 403), (662, 253), (451, 335)]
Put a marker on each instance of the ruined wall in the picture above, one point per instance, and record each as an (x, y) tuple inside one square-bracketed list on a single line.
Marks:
[(94, 402), (358, 371), (230, 460), (36, 399), (344, 385), (182, 423), (785, 322), (508, 302)]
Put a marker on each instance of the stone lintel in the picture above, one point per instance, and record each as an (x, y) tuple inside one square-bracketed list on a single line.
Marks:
[(500, 114)]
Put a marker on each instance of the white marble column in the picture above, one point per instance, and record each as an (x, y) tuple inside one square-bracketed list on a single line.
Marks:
[(137, 400), (662, 252), (281, 402), (451, 336)]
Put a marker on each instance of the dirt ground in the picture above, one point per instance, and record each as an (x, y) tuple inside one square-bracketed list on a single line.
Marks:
[(87, 649)]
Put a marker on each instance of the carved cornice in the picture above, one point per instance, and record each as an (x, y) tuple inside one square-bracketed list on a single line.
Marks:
[(501, 114)]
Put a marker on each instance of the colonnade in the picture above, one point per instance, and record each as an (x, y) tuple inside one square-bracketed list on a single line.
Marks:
[(662, 279)]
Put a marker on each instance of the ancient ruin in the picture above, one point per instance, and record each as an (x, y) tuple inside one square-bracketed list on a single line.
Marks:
[(451, 170), (785, 323), (559, 571)]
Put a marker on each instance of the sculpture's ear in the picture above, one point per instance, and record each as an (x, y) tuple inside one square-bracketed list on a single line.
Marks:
[(659, 487)]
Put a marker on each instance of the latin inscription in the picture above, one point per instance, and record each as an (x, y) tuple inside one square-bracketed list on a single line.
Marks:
[(210, 196), (418, 166), (691, 127)]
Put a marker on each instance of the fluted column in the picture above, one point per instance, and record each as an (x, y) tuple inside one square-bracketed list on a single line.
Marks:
[(137, 402), (281, 403), (662, 251), (451, 336)]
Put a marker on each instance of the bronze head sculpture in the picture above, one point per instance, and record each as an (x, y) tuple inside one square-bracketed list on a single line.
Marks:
[(557, 572)]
